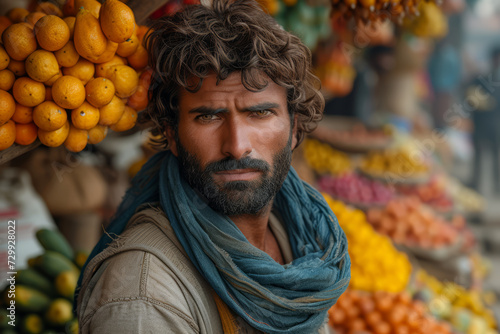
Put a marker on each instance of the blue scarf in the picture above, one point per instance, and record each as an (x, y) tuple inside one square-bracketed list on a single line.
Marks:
[(273, 298)]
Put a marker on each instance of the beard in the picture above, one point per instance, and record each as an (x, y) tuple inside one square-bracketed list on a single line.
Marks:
[(236, 197)]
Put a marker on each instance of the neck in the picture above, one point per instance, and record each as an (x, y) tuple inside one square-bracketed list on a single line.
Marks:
[(254, 227)]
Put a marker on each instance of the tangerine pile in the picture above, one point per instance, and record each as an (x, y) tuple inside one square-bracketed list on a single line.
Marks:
[(69, 73)]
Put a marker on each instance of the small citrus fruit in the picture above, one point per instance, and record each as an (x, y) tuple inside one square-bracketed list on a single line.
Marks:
[(54, 138), (17, 67), (68, 92), (28, 92), (26, 133), (112, 112), (104, 69), (51, 32), (7, 135), (99, 91), (41, 65), (22, 114), (77, 139), (49, 9), (32, 18), (83, 70), (4, 23), (85, 117), (7, 79), (19, 41), (17, 14), (117, 20), (139, 59), (48, 116), (51, 81), (127, 121), (67, 56), (4, 58), (128, 47), (125, 79), (7, 106), (97, 134), (70, 21)]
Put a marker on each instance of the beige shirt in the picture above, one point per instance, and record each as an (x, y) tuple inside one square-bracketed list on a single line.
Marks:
[(145, 283)]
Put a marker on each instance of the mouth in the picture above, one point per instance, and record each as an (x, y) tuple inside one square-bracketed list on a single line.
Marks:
[(238, 175)]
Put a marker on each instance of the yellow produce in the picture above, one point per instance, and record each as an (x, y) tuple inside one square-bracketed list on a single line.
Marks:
[(376, 265), (117, 21), (324, 159), (401, 164), (89, 39)]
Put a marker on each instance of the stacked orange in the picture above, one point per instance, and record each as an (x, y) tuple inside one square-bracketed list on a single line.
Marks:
[(68, 74)]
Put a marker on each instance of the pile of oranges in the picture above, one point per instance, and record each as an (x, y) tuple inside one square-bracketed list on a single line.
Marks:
[(69, 73)]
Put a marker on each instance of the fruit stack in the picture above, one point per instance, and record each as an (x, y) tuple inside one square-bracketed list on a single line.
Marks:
[(68, 74), (44, 292), (375, 264), (383, 313), (324, 159), (432, 193)]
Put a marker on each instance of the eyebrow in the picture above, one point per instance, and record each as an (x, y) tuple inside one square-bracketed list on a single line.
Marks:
[(211, 111)]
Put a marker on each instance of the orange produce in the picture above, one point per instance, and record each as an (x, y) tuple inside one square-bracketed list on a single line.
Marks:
[(85, 117), (76, 140), (33, 18), (112, 112), (7, 106), (22, 114), (141, 32), (17, 15), (68, 8), (28, 92), (127, 121), (4, 58), (26, 133), (19, 41), (139, 59), (117, 20), (99, 91), (92, 6), (70, 21), (97, 134), (125, 80), (17, 67), (4, 23), (51, 32), (67, 55), (105, 69), (68, 92), (89, 39), (51, 81), (108, 54), (7, 135), (139, 100), (7, 79), (48, 116), (49, 9), (54, 138), (41, 65), (128, 47), (48, 94), (83, 70)]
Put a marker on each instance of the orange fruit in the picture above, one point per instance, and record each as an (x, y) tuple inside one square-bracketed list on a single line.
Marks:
[(19, 41), (108, 54), (4, 23), (85, 117), (69, 8), (49, 9), (111, 112), (68, 92), (51, 32), (4, 58), (54, 138), (99, 91), (41, 65), (28, 92), (117, 20), (128, 47), (48, 94), (17, 15), (7, 135), (92, 6), (17, 67), (139, 100), (139, 59), (83, 70), (141, 32), (125, 79), (26, 133), (127, 121), (32, 18), (48, 116), (7, 79), (7, 106), (22, 115), (70, 21), (97, 134), (104, 69), (67, 56), (89, 39), (77, 139), (51, 81)]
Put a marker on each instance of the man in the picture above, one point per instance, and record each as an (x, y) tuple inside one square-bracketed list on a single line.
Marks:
[(218, 234)]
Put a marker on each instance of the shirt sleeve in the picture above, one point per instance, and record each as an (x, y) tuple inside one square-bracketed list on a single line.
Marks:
[(139, 315)]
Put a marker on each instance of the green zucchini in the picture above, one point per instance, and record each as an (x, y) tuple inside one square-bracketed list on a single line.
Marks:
[(30, 300), (53, 240), (32, 278), (52, 264)]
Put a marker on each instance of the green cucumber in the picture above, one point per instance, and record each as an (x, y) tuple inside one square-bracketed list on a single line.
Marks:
[(32, 278), (53, 240), (30, 300), (52, 264)]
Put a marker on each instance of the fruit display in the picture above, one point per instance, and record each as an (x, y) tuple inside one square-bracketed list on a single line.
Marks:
[(324, 159), (396, 166), (376, 265), (356, 190), (463, 308), (465, 199), (44, 291), (408, 222), (336, 71), (433, 194), (65, 68), (430, 23), (383, 313)]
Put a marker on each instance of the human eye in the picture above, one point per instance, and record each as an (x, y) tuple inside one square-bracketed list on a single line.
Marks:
[(206, 117), (262, 113)]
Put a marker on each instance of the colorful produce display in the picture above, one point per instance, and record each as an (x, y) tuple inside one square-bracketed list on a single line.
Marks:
[(356, 190), (336, 72), (433, 193), (383, 313), (324, 159), (464, 198), (395, 166), (73, 72), (463, 308), (431, 22), (375, 264), (407, 221), (44, 292)]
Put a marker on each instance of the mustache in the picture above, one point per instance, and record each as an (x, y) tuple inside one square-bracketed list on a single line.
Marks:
[(232, 164)]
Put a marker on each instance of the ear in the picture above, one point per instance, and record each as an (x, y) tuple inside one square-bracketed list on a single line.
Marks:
[(172, 144), (294, 131)]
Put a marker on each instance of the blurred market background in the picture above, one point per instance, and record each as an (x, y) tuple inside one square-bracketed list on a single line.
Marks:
[(407, 154)]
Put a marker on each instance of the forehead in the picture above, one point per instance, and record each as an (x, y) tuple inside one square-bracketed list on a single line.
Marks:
[(232, 90)]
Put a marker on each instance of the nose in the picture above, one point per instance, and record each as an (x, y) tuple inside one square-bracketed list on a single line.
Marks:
[(236, 140)]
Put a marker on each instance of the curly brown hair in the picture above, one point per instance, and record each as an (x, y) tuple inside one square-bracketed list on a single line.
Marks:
[(229, 36)]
